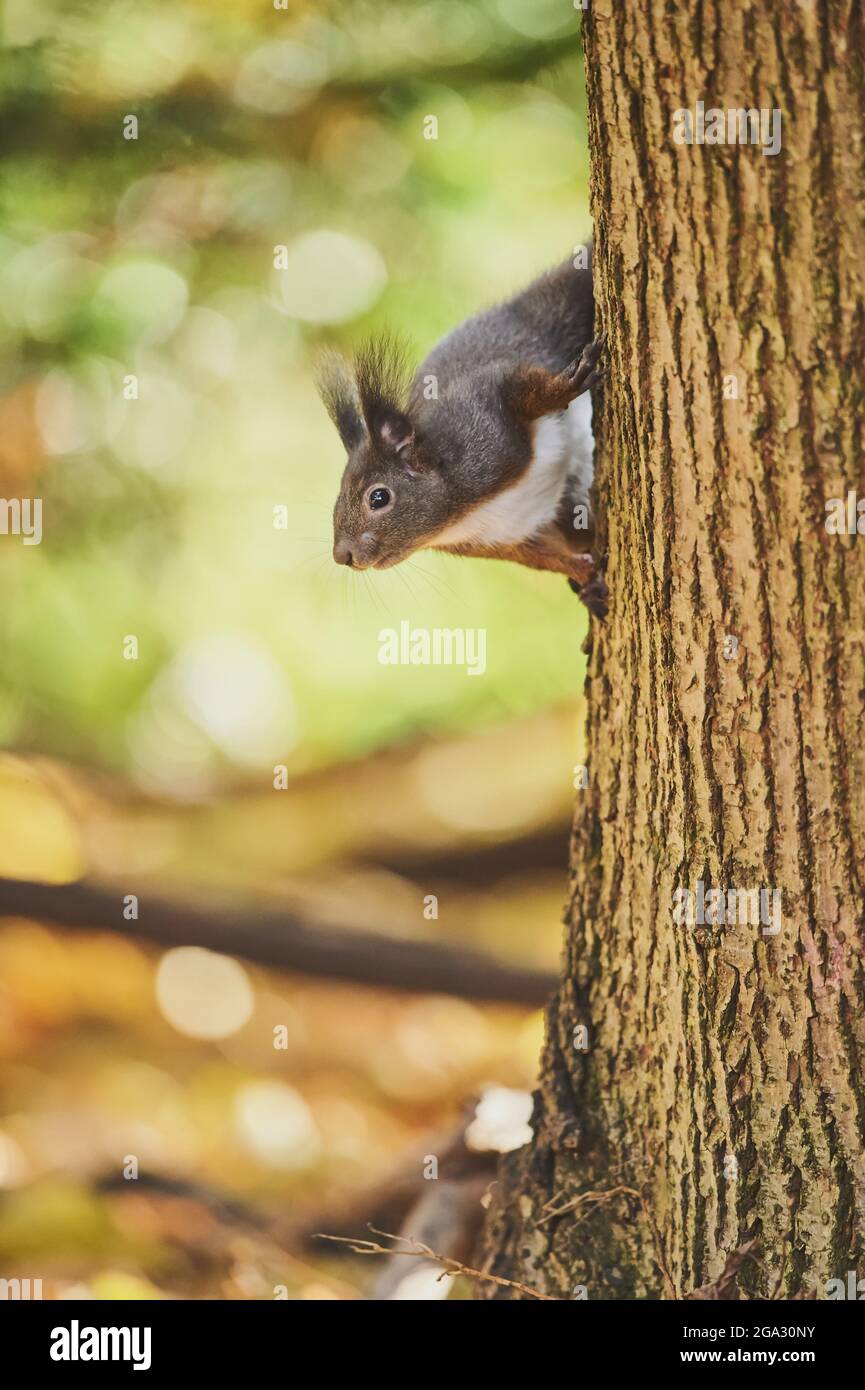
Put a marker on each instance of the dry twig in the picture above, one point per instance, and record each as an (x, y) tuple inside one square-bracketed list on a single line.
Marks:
[(423, 1252)]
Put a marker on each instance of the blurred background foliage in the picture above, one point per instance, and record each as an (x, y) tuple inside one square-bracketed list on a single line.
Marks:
[(257, 127)]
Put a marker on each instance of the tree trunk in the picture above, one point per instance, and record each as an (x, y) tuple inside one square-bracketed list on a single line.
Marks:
[(723, 1084)]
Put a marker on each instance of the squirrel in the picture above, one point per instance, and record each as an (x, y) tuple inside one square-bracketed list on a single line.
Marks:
[(487, 451)]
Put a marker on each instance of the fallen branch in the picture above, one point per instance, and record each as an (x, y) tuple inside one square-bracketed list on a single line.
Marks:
[(279, 939)]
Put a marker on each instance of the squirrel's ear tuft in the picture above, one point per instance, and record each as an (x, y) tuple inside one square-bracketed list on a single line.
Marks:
[(339, 393), (382, 372)]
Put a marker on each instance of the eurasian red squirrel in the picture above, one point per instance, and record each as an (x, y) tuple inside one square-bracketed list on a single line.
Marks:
[(487, 451)]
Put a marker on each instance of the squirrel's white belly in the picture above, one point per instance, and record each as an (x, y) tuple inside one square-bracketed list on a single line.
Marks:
[(562, 459)]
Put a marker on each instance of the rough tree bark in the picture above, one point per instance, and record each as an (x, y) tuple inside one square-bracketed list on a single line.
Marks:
[(723, 1085)]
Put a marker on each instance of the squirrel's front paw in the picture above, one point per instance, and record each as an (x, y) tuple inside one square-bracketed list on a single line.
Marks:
[(533, 391), (581, 375)]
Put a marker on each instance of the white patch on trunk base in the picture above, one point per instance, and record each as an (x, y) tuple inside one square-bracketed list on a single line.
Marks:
[(562, 457)]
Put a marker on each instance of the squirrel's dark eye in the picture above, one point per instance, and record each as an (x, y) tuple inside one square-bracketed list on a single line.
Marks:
[(378, 498)]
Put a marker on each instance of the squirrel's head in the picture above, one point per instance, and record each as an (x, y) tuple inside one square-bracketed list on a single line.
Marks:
[(393, 496)]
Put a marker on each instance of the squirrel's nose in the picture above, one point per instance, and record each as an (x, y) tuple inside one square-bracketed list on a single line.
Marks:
[(342, 553)]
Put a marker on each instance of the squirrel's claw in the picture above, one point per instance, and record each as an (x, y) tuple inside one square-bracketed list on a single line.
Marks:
[(594, 593), (582, 374), (595, 596)]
